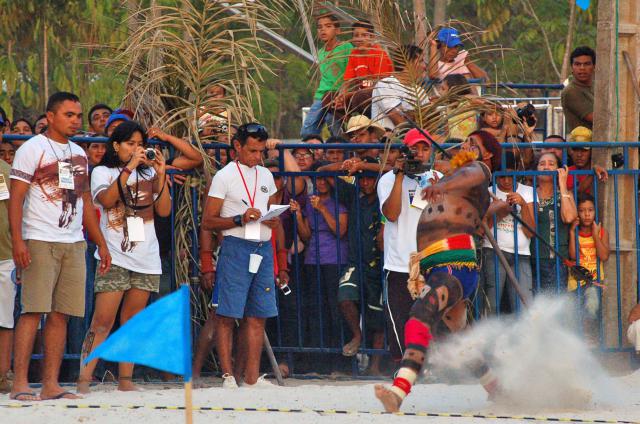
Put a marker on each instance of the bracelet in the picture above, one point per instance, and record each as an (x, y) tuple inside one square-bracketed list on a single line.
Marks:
[(206, 261), (126, 170), (566, 195)]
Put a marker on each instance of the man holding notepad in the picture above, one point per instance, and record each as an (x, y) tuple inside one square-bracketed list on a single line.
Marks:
[(240, 196)]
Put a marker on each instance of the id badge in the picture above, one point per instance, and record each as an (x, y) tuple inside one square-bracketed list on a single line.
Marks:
[(135, 227), (65, 176), (4, 189)]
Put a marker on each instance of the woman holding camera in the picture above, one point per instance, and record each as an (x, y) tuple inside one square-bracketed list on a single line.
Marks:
[(128, 185)]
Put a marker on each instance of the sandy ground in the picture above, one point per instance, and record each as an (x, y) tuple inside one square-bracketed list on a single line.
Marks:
[(311, 395)]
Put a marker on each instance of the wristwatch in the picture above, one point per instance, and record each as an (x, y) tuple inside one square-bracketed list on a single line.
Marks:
[(237, 220)]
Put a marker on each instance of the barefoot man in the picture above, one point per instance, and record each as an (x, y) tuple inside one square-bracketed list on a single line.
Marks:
[(444, 272)]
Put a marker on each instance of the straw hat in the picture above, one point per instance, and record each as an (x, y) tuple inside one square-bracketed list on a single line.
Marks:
[(360, 122)]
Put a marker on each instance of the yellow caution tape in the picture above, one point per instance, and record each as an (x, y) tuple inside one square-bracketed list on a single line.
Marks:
[(318, 411)]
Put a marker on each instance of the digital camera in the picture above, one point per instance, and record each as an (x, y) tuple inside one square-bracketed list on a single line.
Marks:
[(150, 153), (527, 114), (412, 166)]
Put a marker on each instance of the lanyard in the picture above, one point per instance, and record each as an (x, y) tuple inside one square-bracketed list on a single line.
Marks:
[(255, 185)]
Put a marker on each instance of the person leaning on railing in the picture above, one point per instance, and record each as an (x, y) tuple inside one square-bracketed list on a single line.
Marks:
[(555, 212)]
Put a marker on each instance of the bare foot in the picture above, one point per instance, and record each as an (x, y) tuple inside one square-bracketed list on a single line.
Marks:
[(126, 385), (351, 348), (390, 400), (284, 369), (83, 387)]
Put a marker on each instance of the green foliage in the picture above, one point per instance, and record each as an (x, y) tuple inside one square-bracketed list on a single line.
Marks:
[(68, 24)]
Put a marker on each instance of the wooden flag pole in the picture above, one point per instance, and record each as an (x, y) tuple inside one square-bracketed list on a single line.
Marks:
[(188, 402)]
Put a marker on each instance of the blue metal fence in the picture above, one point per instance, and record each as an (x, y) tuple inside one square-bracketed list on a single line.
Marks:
[(292, 319)]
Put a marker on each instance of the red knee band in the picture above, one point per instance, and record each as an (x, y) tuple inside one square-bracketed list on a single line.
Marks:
[(417, 333), (403, 384)]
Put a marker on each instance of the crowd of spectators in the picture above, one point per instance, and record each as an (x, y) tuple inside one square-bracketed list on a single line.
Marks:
[(89, 220)]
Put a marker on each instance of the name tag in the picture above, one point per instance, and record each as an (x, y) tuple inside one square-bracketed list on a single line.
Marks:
[(65, 176), (4, 189), (135, 227)]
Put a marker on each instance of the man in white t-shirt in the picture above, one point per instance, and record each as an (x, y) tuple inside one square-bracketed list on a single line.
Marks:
[(50, 181), (240, 194), (448, 57), (513, 240), (401, 92), (397, 192)]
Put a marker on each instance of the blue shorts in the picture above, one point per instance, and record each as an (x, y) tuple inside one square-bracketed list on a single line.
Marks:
[(467, 276), (240, 293)]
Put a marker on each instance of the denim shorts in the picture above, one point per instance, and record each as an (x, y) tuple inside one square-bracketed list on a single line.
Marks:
[(241, 293)]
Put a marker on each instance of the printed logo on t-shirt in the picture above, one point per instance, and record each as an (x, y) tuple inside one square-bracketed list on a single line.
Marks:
[(264, 189), (46, 179)]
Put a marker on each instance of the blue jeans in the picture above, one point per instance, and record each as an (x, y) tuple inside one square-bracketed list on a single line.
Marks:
[(550, 280), (495, 283), (316, 117)]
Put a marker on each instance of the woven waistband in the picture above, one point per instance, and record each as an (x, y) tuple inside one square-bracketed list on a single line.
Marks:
[(459, 250)]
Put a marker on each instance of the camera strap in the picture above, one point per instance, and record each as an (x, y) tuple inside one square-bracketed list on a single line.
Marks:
[(134, 206)]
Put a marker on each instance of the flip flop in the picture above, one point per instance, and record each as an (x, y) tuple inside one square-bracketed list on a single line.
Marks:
[(19, 397), (63, 395), (351, 348)]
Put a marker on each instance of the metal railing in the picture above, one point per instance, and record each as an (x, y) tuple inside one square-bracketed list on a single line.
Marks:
[(291, 320)]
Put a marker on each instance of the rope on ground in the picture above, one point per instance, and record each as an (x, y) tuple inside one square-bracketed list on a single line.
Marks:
[(321, 412)]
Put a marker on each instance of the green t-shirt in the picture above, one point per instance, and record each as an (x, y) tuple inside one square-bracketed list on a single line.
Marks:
[(5, 237), (332, 66), (577, 103), (546, 229)]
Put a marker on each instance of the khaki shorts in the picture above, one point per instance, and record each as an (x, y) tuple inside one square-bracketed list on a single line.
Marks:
[(121, 279), (55, 279)]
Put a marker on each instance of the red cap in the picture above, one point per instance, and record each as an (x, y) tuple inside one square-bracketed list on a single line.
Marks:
[(413, 137)]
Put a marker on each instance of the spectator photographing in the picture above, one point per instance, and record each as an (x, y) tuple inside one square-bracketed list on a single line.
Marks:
[(332, 59), (244, 273), (50, 173), (128, 186), (396, 192), (577, 97)]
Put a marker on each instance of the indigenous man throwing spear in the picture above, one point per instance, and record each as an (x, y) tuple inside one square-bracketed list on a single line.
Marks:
[(444, 272)]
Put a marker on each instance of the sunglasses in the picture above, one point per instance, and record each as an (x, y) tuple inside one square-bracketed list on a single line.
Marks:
[(253, 130)]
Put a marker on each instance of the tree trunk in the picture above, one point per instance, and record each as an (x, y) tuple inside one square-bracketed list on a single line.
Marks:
[(439, 12), (45, 61), (564, 73), (420, 16)]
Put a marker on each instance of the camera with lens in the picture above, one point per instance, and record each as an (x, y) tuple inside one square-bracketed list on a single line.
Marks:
[(150, 153), (412, 166), (527, 113)]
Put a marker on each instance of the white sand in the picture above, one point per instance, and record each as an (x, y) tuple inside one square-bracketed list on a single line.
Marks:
[(304, 395), (547, 371)]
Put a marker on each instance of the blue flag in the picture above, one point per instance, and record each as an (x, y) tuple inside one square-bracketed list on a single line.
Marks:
[(158, 337), (583, 4)]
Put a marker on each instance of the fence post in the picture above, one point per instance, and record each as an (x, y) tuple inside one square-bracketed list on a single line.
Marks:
[(616, 119)]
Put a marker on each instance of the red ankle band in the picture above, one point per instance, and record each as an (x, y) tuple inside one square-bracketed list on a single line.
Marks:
[(403, 384)]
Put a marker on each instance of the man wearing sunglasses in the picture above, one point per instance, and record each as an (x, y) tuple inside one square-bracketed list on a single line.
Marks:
[(240, 194)]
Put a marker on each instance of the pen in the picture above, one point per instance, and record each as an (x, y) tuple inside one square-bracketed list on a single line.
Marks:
[(247, 205)]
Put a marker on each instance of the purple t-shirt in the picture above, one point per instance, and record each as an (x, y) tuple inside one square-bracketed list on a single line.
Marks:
[(328, 251)]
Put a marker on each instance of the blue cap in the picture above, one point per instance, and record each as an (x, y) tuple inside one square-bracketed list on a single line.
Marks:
[(449, 37), (116, 117)]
